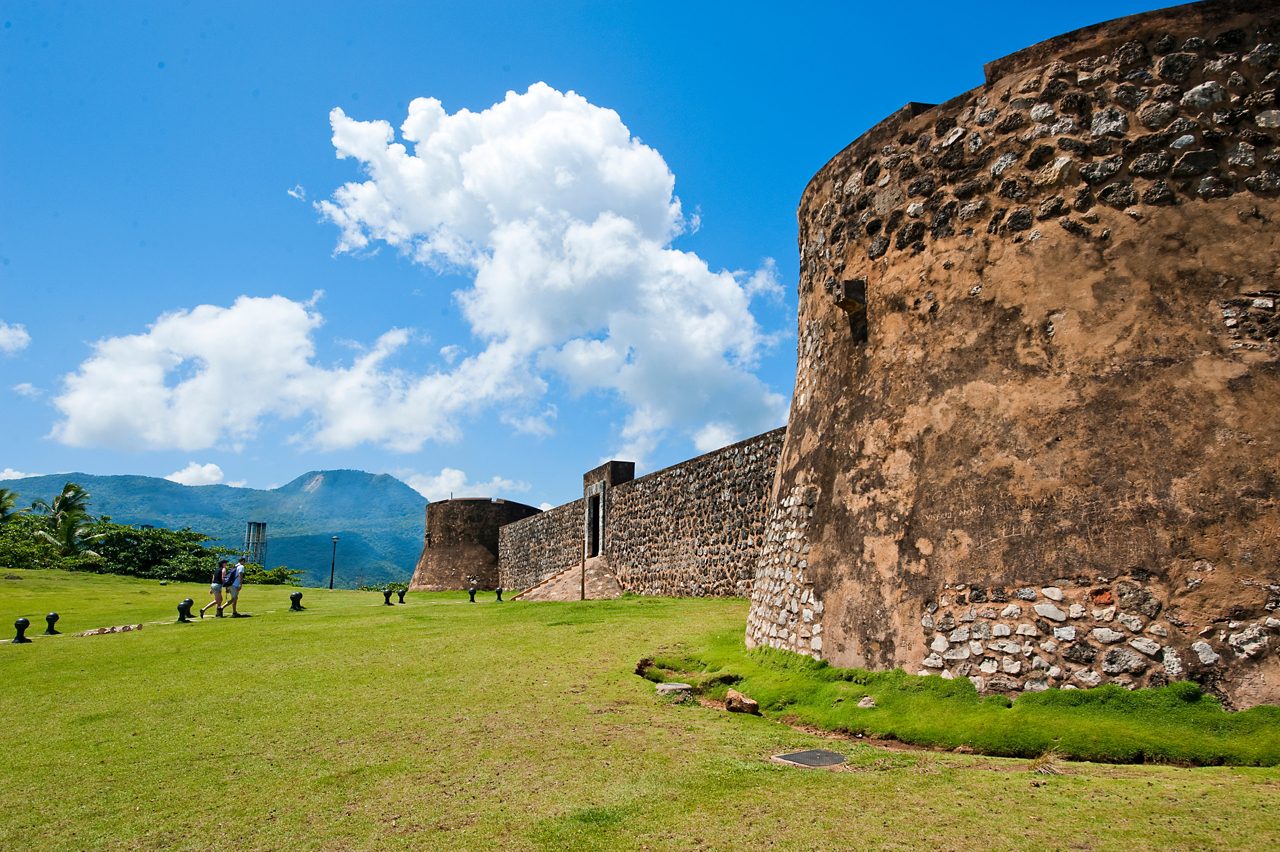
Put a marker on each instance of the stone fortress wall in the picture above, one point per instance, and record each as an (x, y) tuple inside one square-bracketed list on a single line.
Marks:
[(461, 540), (533, 549), (1034, 438), (693, 529)]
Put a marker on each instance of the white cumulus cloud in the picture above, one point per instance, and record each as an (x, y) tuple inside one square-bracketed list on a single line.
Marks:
[(565, 221), (197, 474), (194, 378), (453, 482), (13, 337), (10, 473), (211, 375), (27, 389)]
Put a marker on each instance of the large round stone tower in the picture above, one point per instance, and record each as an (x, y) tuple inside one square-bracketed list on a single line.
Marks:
[(461, 540), (1035, 439)]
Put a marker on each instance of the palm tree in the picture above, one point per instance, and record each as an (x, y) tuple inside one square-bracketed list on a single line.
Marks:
[(8, 499), (72, 502), (71, 535)]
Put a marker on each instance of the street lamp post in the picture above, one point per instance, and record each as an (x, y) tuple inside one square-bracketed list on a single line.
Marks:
[(334, 561)]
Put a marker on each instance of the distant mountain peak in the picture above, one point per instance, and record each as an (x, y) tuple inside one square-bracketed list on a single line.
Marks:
[(378, 517)]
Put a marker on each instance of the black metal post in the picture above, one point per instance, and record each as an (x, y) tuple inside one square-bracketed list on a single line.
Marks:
[(334, 561), (21, 626), (295, 602), (51, 619)]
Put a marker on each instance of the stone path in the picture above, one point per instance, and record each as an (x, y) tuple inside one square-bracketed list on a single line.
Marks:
[(567, 585)]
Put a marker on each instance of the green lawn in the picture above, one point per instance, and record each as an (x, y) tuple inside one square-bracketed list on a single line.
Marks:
[(440, 724)]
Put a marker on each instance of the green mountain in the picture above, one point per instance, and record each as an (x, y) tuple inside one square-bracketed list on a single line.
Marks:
[(377, 518)]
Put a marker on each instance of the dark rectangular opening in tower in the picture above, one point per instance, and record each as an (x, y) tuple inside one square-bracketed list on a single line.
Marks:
[(593, 526)]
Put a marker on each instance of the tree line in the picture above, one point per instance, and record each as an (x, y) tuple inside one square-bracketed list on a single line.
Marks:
[(61, 533)]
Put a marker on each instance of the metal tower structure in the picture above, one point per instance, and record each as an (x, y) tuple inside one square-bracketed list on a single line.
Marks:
[(255, 542)]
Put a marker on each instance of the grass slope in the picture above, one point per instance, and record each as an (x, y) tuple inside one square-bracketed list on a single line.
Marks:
[(440, 724)]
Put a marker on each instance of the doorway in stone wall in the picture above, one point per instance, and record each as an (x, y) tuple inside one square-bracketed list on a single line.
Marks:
[(593, 526)]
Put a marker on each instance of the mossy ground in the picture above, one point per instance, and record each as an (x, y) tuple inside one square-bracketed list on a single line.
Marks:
[(440, 724), (1174, 724)]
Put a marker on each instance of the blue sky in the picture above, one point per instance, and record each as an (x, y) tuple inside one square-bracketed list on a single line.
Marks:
[(532, 283)]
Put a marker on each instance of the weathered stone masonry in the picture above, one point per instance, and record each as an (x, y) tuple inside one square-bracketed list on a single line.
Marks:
[(461, 540), (531, 550), (1034, 438), (694, 529)]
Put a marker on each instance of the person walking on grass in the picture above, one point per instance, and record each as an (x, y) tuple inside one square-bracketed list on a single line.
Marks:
[(233, 582), (215, 588)]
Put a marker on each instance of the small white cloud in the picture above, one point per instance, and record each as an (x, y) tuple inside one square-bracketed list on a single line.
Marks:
[(450, 353), (238, 483), (713, 436), (10, 473), (27, 389), (695, 221), (297, 191), (764, 281), (197, 474), (544, 506), (13, 337), (533, 424), (453, 482)]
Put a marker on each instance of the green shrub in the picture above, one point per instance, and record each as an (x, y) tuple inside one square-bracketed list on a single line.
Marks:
[(21, 547), (278, 576), (382, 587)]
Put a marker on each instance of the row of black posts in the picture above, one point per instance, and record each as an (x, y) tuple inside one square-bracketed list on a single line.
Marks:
[(22, 624), (184, 614), (184, 608), (184, 617)]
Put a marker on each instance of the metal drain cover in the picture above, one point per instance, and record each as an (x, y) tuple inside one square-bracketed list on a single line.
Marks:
[(814, 758)]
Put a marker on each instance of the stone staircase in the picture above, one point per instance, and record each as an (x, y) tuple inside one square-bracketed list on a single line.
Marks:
[(568, 584)]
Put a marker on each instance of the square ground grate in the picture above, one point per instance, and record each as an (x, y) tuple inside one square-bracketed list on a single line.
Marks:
[(814, 758)]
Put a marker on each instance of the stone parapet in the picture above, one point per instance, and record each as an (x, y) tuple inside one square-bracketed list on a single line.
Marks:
[(694, 529), (541, 546)]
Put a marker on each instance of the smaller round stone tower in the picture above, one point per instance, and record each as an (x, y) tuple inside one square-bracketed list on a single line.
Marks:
[(461, 540)]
